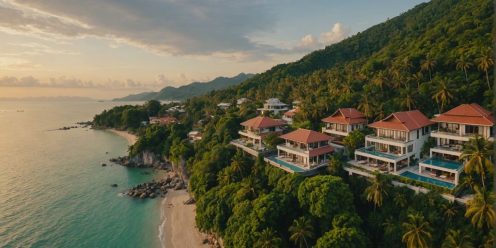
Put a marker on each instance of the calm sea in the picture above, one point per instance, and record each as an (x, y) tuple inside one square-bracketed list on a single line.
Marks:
[(53, 190)]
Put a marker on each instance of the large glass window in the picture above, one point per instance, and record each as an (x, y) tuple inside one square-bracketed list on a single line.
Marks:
[(471, 129)]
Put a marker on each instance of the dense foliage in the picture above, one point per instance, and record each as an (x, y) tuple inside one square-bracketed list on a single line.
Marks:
[(432, 57)]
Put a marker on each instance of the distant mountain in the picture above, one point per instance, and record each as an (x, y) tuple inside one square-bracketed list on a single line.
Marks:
[(188, 91), (50, 99)]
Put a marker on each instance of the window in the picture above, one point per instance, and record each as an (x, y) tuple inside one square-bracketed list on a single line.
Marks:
[(417, 133), (410, 148), (471, 129)]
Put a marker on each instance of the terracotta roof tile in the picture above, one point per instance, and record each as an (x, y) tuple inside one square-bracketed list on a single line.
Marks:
[(472, 114), (262, 122), (305, 136), (321, 150), (291, 113), (346, 116), (405, 121)]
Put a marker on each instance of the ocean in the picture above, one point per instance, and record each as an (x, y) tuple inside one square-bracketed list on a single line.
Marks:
[(54, 191)]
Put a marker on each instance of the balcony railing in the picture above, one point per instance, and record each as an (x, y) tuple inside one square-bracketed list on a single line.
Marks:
[(400, 140)]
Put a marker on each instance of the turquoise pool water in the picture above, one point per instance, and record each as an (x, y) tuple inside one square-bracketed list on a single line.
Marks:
[(424, 179), (452, 165), (371, 151), (286, 164)]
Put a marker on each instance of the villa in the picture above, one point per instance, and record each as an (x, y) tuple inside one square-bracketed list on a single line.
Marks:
[(288, 116), (242, 101), (273, 105), (194, 136), (341, 123), (396, 143), (455, 127), (302, 151), (224, 105), (166, 120), (254, 132)]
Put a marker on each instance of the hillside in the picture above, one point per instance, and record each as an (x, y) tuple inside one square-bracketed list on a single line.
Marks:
[(188, 91), (396, 65)]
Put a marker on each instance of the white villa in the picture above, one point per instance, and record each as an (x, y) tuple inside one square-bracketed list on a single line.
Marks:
[(224, 105), (288, 116), (455, 127), (302, 151), (255, 130), (242, 101), (273, 105), (341, 123), (396, 143)]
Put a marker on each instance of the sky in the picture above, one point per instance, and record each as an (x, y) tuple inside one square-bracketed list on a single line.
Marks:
[(111, 48)]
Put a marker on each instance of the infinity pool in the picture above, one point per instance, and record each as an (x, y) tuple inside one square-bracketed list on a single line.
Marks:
[(414, 176), (289, 166), (452, 165)]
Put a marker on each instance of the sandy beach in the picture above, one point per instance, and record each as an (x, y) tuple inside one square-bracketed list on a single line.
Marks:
[(179, 228), (131, 138)]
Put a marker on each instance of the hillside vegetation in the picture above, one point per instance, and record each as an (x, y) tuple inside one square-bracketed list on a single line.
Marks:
[(431, 58)]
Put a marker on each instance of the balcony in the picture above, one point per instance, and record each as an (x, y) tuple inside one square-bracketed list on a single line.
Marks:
[(340, 132), (453, 149), (371, 151), (386, 140), (249, 147), (250, 134)]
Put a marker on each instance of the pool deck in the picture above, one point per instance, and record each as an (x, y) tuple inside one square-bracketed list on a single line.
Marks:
[(292, 168)]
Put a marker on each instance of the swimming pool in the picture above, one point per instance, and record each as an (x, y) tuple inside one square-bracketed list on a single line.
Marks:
[(285, 164), (414, 176), (452, 165), (372, 151)]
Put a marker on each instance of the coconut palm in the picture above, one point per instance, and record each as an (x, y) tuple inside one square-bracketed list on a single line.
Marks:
[(365, 105), (449, 210), (463, 64), (378, 190), (380, 79), (477, 152), (418, 77), (417, 232), (400, 200), (480, 209), (484, 63), (408, 97), (467, 182), (301, 231), (267, 238), (443, 94), (455, 239), (428, 65)]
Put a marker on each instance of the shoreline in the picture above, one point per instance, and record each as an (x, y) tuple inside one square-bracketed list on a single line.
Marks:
[(178, 227), (131, 138)]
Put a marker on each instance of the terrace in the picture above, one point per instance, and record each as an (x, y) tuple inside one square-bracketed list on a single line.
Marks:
[(287, 164)]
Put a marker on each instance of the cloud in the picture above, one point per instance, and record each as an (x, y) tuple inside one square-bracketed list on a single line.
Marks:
[(337, 33), (64, 82), (186, 27)]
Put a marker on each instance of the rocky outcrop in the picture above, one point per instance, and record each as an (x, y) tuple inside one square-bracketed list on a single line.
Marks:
[(143, 160), (157, 188)]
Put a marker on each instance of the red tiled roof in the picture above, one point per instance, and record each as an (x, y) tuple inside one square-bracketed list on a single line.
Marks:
[(262, 122), (167, 120), (346, 116), (472, 114), (321, 150), (305, 136), (405, 121), (291, 113)]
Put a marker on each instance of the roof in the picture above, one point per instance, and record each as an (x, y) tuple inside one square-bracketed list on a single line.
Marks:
[(321, 150), (404, 121), (274, 101), (472, 114), (305, 136), (262, 122), (291, 113), (346, 116)]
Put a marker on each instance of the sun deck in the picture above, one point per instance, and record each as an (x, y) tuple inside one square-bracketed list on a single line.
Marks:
[(292, 167), (427, 179)]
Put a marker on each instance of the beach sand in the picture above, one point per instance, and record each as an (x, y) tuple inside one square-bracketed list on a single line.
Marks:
[(131, 138), (179, 229)]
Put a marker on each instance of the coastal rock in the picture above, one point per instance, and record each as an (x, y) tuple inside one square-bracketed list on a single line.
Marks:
[(113, 185), (104, 164)]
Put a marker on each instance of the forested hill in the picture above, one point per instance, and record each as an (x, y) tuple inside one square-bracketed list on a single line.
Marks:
[(443, 46), (188, 91)]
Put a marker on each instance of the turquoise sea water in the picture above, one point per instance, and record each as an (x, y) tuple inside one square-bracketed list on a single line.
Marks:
[(53, 191)]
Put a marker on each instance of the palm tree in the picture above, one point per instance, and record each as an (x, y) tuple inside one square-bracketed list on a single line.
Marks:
[(378, 190), (400, 200), (238, 164), (477, 152), (480, 209), (449, 210), (418, 77), (301, 231), (417, 231), (365, 105), (267, 239), (408, 97), (428, 65), (463, 64), (443, 94), (455, 239), (380, 79), (484, 63)]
